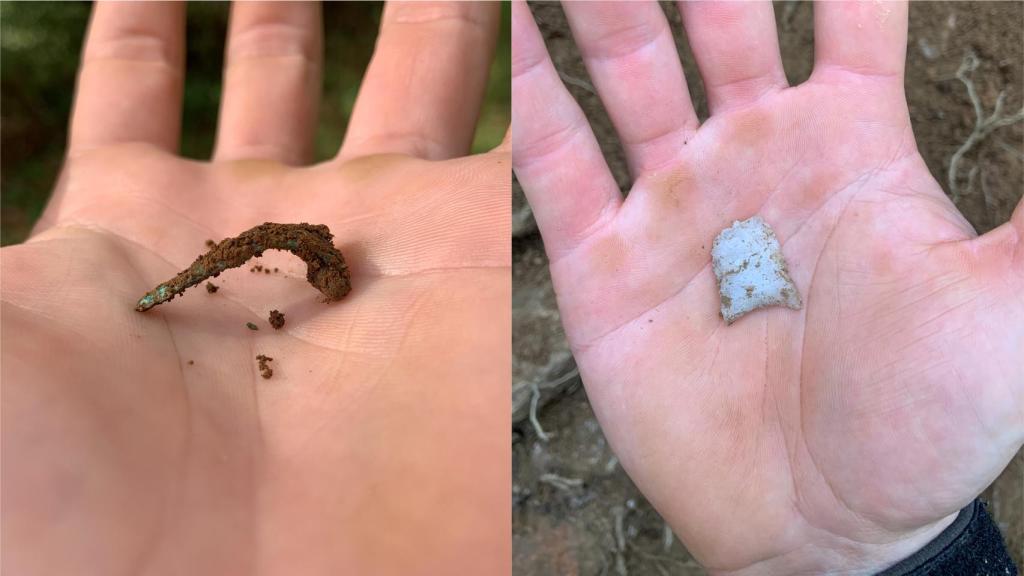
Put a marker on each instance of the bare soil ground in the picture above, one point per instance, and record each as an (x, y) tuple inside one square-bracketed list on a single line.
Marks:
[(574, 510)]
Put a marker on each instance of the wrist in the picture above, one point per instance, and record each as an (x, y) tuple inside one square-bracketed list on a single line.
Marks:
[(832, 554)]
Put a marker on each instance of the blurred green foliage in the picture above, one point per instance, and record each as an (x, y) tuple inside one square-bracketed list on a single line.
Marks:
[(40, 45)]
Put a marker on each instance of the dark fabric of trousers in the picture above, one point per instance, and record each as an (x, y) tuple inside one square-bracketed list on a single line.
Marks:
[(971, 546)]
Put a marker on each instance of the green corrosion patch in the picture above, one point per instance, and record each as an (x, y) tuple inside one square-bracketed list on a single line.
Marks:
[(325, 266)]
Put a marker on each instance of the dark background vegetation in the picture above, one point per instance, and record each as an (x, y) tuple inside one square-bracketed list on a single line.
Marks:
[(40, 44), (574, 510)]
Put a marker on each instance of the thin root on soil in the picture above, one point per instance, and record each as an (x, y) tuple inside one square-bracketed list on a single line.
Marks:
[(325, 266), (534, 398), (561, 482), (982, 126)]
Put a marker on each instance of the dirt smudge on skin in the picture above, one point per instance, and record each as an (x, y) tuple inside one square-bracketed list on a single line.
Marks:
[(823, 183), (609, 255), (747, 132), (669, 192), (807, 194), (669, 198)]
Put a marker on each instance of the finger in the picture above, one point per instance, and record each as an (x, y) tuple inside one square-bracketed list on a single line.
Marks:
[(631, 57), (554, 153), (737, 50), (865, 38), (130, 82), (271, 82), (423, 90)]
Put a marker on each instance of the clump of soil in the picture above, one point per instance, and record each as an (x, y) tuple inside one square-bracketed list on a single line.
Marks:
[(265, 370), (325, 266), (276, 319), (211, 244), (256, 268), (211, 287), (251, 326)]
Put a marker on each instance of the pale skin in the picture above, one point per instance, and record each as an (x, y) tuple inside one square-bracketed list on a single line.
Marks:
[(148, 443), (835, 439)]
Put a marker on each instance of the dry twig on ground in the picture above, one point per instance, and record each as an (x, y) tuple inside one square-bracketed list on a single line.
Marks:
[(534, 398), (560, 482)]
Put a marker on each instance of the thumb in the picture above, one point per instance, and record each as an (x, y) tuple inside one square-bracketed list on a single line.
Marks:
[(996, 260), (1001, 253)]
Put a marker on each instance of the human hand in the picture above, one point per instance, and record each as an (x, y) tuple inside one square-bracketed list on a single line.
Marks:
[(148, 443), (835, 439)]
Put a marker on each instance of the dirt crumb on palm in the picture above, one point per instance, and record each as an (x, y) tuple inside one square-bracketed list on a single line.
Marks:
[(211, 287), (251, 326), (211, 244), (265, 370), (276, 319)]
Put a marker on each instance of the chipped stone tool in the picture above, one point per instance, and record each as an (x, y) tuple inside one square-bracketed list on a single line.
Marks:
[(751, 271)]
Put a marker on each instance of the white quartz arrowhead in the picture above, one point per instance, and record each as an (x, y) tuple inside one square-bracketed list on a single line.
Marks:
[(751, 271)]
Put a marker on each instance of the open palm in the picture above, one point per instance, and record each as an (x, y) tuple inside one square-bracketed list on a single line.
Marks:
[(837, 438), (148, 443)]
